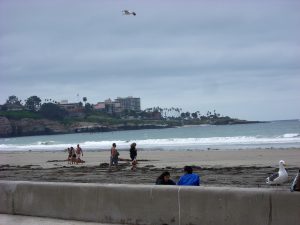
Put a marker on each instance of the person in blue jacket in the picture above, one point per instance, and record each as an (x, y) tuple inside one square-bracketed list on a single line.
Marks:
[(189, 178)]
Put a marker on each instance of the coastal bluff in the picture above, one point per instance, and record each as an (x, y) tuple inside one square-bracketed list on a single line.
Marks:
[(150, 204), (28, 126), (31, 127), (5, 127)]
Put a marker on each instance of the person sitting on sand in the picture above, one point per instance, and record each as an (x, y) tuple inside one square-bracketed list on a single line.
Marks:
[(189, 178), (114, 154), (133, 155), (164, 179)]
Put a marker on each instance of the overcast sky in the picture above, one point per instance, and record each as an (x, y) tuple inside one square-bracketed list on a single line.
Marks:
[(240, 58)]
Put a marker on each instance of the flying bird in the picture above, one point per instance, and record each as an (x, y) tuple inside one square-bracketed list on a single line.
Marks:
[(280, 177), (128, 12)]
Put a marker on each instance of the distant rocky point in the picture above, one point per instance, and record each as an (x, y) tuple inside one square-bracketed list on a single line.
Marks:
[(31, 127)]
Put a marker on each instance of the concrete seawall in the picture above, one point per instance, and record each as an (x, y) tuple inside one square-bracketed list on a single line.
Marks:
[(150, 204)]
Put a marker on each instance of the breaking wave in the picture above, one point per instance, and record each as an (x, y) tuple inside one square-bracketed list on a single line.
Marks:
[(290, 139)]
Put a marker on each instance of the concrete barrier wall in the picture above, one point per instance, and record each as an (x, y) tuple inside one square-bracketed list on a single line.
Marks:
[(150, 204)]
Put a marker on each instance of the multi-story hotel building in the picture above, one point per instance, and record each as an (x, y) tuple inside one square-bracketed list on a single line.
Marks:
[(129, 103), (119, 105)]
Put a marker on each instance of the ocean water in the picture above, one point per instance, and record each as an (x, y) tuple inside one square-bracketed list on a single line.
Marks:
[(274, 134)]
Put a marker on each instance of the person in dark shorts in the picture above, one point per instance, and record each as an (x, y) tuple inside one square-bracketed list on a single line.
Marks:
[(133, 155), (73, 155)]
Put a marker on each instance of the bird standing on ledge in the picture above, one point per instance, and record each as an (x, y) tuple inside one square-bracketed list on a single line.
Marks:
[(280, 177)]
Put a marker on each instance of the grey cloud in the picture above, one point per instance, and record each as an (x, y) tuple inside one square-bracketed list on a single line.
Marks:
[(209, 55)]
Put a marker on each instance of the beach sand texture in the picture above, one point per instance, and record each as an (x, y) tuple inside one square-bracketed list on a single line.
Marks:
[(239, 168)]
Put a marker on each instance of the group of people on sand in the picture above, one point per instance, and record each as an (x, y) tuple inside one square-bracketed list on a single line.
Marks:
[(114, 155), (74, 155), (188, 179)]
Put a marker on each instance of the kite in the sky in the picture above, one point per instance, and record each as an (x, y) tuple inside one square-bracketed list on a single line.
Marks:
[(128, 12)]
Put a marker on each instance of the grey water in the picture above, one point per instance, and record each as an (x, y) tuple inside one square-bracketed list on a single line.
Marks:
[(273, 134)]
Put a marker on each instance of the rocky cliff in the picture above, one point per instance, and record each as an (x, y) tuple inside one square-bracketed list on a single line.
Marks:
[(29, 127), (26, 126), (5, 127)]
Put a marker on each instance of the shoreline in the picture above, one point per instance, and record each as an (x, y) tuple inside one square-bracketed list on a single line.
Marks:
[(208, 157), (162, 158), (154, 149), (217, 168)]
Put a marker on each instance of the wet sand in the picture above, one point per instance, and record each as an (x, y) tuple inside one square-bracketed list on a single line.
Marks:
[(238, 168)]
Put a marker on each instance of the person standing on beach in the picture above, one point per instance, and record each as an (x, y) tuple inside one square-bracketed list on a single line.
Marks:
[(69, 155), (78, 153), (114, 155), (133, 155), (73, 160), (189, 178)]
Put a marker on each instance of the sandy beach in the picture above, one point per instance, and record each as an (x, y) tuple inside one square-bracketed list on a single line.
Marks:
[(239, 168)]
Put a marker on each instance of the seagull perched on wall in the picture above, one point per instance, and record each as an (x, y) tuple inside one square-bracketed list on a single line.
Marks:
[(280, 177), (128, 12)]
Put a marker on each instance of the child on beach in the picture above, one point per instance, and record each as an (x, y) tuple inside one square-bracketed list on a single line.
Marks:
[(133, 155), (69, 155), (73, 160), (189, 178), (114, 155)]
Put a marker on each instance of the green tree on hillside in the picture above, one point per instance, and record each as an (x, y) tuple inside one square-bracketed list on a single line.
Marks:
[(195, 115), (53, 111), (182, 115), (33, 103), (88, 107), (13, 100)]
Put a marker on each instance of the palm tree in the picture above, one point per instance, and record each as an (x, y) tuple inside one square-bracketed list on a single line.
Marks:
[(178, 112), (199, 114), (208, 113)]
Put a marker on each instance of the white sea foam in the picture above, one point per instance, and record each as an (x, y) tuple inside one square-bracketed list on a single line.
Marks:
[(293, 139), (46, 142), (291, 135)]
